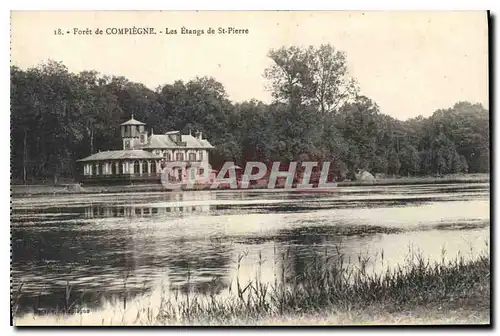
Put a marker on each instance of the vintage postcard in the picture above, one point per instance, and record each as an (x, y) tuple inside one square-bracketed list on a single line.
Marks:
[(249, 168)]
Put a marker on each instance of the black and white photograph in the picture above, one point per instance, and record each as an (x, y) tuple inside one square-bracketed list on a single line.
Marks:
[(250, 168)]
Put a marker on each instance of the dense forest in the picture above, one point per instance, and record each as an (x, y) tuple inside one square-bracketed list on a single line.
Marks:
[(317, 114)]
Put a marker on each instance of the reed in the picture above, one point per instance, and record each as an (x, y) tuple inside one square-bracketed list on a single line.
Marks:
[(330, 284)]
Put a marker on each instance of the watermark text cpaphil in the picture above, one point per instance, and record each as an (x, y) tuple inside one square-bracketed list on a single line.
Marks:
[(179, 174)]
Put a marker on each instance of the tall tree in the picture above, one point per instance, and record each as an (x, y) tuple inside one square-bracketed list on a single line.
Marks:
[(288, 75), (316, 76), (328, 84)]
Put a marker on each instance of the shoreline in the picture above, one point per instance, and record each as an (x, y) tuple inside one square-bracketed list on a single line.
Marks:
[(370, 316), (75, 188)]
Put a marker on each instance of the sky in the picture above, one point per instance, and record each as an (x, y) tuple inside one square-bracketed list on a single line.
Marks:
[(409, 63)]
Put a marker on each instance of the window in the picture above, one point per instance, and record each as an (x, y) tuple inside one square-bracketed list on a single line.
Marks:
[(167, 155), (127, 144), (201, 155), (192, 156), (137, 167), (201, 171), (143, 138), (179, 156)]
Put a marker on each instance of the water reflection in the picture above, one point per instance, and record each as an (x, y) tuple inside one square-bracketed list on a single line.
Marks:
[(129, 244), (132, 211), (185, 203)]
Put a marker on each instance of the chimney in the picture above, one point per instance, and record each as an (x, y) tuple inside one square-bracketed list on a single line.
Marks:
[(200, 136)]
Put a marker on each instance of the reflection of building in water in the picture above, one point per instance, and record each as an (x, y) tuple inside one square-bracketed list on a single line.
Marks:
[(132, 211), (177, 203), (173, 251)]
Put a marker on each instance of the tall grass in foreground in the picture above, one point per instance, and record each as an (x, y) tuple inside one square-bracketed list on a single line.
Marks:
[(331, 285)]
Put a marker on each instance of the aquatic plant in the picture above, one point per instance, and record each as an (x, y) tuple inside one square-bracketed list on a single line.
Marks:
[(325, 285)]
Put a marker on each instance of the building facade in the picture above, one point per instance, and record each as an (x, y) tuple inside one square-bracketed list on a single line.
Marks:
[(144, 156)]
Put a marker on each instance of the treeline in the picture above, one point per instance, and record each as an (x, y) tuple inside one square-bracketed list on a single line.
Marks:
[(318, 114)]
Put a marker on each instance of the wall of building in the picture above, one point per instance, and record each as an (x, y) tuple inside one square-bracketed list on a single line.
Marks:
[(171, 154)]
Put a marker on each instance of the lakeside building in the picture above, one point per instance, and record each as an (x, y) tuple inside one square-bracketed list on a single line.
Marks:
[(144, 156)]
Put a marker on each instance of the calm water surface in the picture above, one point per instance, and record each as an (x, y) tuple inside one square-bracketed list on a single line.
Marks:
[(135, 243)]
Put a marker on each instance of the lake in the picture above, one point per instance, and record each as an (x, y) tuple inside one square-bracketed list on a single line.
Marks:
[(135, 243)]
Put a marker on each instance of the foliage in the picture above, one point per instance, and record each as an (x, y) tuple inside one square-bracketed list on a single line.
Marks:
[(314, 76), (58, 117)]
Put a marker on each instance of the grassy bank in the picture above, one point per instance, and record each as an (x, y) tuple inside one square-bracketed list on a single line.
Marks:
[(28, 190), (33, 190), (454, 178), (331, 292)]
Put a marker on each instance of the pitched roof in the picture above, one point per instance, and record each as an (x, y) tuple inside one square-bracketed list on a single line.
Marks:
[(167, 141), (206, 143), (132, 121), (191, 141), (160, 141), (119, 154)]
